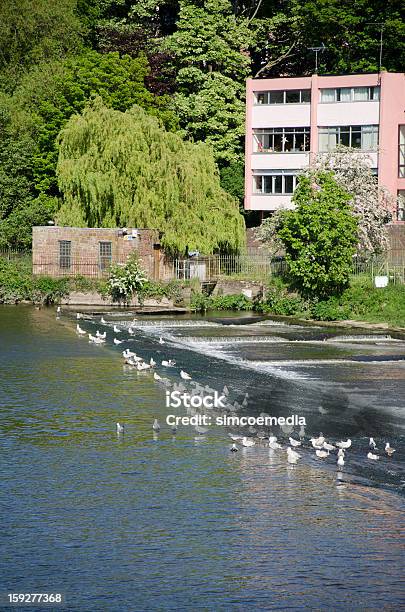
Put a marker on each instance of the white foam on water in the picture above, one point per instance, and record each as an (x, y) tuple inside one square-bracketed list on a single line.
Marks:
[(167, 324), (364, 338)]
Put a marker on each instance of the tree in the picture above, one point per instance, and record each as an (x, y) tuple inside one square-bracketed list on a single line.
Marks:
[(52, 93), (125, 169), (371, 204), (319, 236)]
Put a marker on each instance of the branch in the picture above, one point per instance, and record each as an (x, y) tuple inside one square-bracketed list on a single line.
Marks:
[(272, 63), (256, 11)]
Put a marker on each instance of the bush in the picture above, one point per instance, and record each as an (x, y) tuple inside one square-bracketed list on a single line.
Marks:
[(201, 302), (126, 279), (329, 310)]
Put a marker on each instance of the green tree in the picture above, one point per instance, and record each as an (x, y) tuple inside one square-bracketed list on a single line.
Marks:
[(52, 93), (319, 236), (125, 169)]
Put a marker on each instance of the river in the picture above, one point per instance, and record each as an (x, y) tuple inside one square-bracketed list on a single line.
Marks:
[(144, 521)]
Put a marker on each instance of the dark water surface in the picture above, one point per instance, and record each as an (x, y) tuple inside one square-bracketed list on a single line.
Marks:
[(142, 522)]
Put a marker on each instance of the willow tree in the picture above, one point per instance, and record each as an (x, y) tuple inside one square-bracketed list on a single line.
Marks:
[(120, 169)]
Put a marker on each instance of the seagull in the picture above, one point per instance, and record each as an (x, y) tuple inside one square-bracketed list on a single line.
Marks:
[(117, 341), (317, 442), (292, 456), (103, 321), (201, 430), (372, 456), (344, 445), (168, 364), (131, 331), (156, 376), (96, 340), (161, 341), (341, 452), (116, 330), (272, 439), (152, 362), (328, 447), (59, 310), (294, 442), (322, 410), (322, 454), (390, 451), (100, 335), (340, 461), (184, 375), (80, 331), (233, 448), (120, 428), (234, 437), (156, 426), (142, 366), (274, 445), (78, 315), (372, 444), (247, 441)]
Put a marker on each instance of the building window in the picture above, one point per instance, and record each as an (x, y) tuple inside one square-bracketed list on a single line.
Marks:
[(363, 137), (280, 182), (401, 165), (105, 255), (350, 94), (281, 140), (401, 205), (65, 251), (288, 96)]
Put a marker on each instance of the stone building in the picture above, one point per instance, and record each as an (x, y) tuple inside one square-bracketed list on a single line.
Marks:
[(88, 251)]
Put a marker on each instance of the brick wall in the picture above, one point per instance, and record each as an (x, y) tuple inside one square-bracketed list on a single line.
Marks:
[(85, 249)]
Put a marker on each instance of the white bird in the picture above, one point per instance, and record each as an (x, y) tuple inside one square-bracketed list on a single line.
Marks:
[(120, 428), (142, 366), (292, 456), (372, 444), (80, 331), (156, 426), (322, 454), (372, 456), (328, 447), (344, 445), (340, 461), (201, 430), (96, 340), (322, 410), (294, 442), (116, 330), (168, 363), (152, 362), (156, 376), (272, 439), (274, 445), (100, 335), (78, 315), (317, 442), (247, 441), (131, 331), (234, 437), (390, 451), (234, 448), (103, 321), (184, 375), (116, 341), (161, 341), (59, 310), (341, 452)]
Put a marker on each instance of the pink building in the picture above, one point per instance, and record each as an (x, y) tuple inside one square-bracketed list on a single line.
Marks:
[(288, 119)]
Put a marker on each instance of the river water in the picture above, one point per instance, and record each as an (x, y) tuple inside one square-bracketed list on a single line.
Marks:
[(166, 522)]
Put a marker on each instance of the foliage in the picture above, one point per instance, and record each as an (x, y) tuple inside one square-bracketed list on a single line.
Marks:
[(319, 236), (233, 180), (34, 31), (371, 204), (17, 284), (268, 232), (126, 279), (161, 181), (52, 93)]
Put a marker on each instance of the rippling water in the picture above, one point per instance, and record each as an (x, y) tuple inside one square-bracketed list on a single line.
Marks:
[(139, 522)]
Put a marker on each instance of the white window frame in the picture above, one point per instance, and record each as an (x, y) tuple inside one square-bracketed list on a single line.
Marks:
[(284, 91), (371, 90), (273, 174), (337, 130), (284, 132)]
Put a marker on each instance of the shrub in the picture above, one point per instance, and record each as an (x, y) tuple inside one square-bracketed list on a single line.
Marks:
[(126, 279)]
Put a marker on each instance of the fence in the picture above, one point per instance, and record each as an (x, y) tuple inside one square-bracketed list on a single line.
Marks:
[(12, 254), (53, 266)]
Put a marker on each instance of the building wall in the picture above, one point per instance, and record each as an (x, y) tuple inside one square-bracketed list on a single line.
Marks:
[(85, 249), (388, 114)]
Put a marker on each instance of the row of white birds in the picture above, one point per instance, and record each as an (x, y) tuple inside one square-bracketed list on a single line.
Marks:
[(320, 445)]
